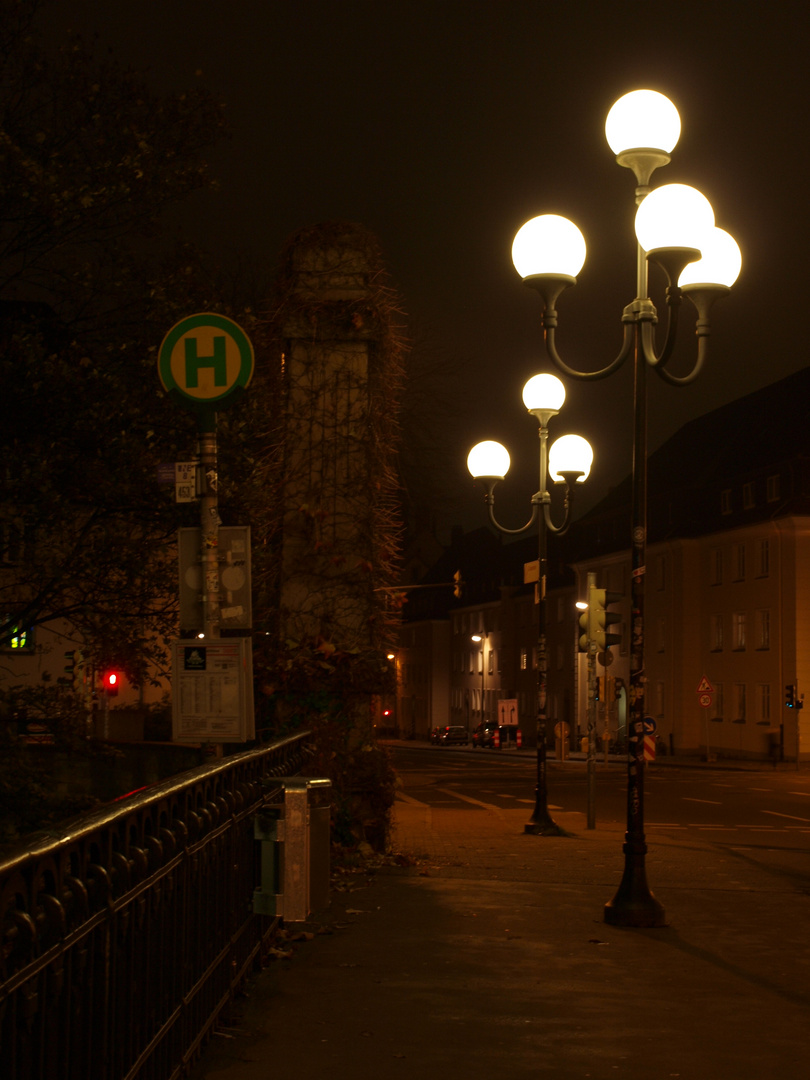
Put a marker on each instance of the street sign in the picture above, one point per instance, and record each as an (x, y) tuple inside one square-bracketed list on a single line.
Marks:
[(233, 582), (649, 748), (705, 687), (531, 572), (508, 712), (212, 699), (206, 360), (705, 700), (650, 726)]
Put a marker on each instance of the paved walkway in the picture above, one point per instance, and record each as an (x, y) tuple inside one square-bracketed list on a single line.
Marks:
[(489, 958)]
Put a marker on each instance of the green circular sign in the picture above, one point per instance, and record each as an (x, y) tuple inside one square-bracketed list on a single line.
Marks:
[(207, 359)]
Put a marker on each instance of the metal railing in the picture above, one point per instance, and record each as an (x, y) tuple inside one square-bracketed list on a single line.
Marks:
[(125, 936)]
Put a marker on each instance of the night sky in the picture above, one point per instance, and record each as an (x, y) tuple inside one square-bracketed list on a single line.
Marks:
[(444, 125)]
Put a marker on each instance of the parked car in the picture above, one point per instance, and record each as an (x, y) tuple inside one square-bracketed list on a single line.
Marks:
[(484, 734), (454, 734)]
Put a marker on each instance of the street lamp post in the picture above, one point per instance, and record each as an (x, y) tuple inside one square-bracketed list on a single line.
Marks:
[(567, 462), (675, 228)]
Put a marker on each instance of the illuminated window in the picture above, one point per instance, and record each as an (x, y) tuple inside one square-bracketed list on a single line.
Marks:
[(20, 640)]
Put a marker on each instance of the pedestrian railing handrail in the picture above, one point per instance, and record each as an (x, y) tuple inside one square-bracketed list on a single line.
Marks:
[(126, 931)]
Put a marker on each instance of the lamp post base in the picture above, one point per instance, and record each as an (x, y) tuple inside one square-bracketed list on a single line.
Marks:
[(542, 825), (634, 904)]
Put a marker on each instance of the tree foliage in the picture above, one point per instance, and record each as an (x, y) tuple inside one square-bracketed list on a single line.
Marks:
[(91, 162)]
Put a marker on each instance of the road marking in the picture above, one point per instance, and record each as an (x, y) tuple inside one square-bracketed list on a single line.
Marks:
[(710, 802), (792, 817), (475, 802), (807, 793), (410, 800)]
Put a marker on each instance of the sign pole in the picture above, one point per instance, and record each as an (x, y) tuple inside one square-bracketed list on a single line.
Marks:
[(591, 764), (209, 527)]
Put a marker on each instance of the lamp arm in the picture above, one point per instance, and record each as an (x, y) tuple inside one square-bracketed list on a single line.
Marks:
[(549, 337), (490, 500), (659, 361), (562, 528)]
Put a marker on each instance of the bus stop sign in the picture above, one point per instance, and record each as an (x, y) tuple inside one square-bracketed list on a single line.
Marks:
[(206, 361)]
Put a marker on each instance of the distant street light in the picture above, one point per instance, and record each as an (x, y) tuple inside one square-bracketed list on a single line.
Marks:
[(567, 462), (674, 228)]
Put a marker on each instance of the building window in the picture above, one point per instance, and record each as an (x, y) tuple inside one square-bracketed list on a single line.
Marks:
[(763, 558), (717, 705), (20, 640), (739, 562), (764, 691), (772, 489), (725, 501), (763, 629), (749, 500), (739, 703), (717, 566), (716, 633), (738, 622)]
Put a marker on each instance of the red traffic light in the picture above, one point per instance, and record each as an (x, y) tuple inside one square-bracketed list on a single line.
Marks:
[(111, 681)]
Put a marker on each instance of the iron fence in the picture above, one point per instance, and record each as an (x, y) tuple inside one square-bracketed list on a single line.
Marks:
[(125, 935)]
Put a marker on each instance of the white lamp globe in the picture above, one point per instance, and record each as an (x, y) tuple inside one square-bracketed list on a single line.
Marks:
[(548, 244), (570, 453), (544, 392), (643, 119), (488, 459), (673, 216), (720, 265)]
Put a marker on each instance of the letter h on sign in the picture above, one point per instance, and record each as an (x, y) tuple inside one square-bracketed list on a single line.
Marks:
[(195, 362)]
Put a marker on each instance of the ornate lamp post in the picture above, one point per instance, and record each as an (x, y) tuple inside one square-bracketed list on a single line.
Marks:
[(674, 228), (568, 462)]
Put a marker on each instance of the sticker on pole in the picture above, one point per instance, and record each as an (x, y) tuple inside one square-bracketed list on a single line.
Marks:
[(207, 360)]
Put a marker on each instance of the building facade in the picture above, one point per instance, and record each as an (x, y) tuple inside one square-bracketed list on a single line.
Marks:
[(726, 598)]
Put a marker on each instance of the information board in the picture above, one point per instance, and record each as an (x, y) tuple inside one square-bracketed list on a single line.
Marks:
[(212, 690)]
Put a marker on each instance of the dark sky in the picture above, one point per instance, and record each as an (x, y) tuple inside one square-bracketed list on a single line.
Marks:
[(443, 125)]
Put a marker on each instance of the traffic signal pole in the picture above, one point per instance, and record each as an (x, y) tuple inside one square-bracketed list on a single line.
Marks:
[(591, 767)]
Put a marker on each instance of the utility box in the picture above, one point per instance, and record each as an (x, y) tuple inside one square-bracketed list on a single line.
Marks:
[(294, 838)]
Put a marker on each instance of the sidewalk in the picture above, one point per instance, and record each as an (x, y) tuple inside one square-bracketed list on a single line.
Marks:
[(489, 958)]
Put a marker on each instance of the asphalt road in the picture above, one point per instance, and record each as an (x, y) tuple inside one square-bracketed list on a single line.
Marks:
[(722, 804)]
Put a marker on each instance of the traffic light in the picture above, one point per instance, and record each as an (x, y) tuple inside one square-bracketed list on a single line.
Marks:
[(74, 660), (599, 618), (585, 627), (111, 682), (790, 697), (594, 620), (457, 583)]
